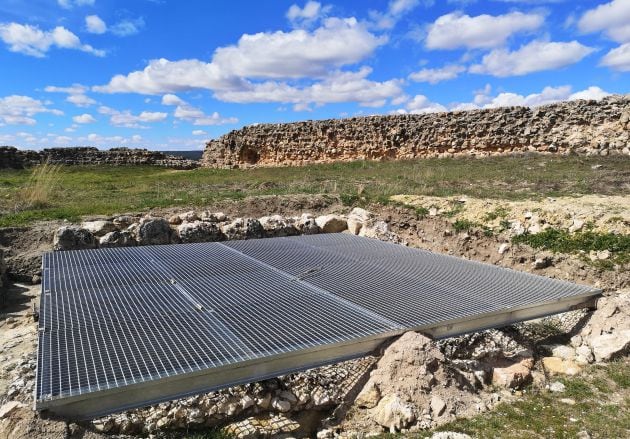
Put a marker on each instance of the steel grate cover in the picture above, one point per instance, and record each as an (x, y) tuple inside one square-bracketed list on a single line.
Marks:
[(127, 327)]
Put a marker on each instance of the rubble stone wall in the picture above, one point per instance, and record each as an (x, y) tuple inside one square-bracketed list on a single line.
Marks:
[(11, 157), (581, 127)]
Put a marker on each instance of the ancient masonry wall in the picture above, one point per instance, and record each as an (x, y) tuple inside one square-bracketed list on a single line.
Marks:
[(11, 157), (580, 127)]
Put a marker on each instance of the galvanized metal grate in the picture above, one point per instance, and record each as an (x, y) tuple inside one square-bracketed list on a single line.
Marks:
[(116, 319)]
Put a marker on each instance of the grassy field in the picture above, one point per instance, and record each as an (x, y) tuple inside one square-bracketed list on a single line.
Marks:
[(75, 191)]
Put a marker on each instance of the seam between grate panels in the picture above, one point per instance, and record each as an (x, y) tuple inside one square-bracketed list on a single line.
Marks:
[(198, 307), (360, 309)]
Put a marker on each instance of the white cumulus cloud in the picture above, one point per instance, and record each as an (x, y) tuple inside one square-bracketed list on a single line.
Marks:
[(433, 76), (31, 40), (69, 4), (84, 118), (456, 30), (396, 9), (19, 110), (618, 58), (95, 25), (611, 18), (307, 15), (533, 57), (199, 133), (185, 111), (126, 119), (76, 94)]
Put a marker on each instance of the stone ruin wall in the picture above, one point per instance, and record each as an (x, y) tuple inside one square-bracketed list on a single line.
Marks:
[(584, 127), (11, 157)]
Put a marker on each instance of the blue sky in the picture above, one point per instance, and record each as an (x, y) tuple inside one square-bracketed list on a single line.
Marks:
[(171, 74)]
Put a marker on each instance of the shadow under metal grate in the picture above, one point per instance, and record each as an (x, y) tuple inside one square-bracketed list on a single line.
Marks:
[(128, 327)]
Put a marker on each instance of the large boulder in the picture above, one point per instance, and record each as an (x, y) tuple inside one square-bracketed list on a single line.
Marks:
[(73, 238), (606, 335), (331, 223), (199, 231), (154, 231), (243, 228)]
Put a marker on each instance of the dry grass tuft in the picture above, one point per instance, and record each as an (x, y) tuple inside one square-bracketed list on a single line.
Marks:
[(38, 191)]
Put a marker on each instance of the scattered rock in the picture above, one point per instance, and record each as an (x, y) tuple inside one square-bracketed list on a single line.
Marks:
[(7, 408), (393, 413), (606, 347), (560, 366), (576, 226), (557, 387), (437, 406), (542, 261), (369, 397), (73, 238), (514, 376), (213, 217), (503, 248)]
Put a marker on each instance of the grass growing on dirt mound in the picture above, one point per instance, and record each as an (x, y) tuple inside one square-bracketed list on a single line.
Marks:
[(561, 241), (597, 401), (106, 190)]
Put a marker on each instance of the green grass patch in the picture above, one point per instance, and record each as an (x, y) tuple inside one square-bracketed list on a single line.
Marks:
[(463, 225), (106, 190), (561, 241)]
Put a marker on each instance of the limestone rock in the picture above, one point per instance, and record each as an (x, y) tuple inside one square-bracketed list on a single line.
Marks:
[(503, 248), (369, 396), (331, 223), (557, 387), (243, 228), (560, 366), (189, 217), (73, 238), (117, 239), (437, 406), (99, 228), (393, 413), (7, 408), (513, 376), (277, 225), (154, 231), (307, 225), (610, 346), (199, 231), (213, 217), (357, 219)]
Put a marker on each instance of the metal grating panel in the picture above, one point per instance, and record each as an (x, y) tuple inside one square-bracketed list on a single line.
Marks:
[(180, 319)]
